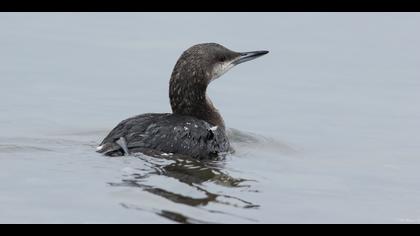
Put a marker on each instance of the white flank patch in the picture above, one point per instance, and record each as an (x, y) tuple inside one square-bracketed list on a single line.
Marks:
[(99, 148)]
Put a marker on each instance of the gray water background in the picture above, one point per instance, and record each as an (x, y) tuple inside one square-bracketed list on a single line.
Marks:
[(326, 125)]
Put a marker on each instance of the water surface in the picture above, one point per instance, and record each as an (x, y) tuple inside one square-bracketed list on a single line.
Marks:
[(326, 127)]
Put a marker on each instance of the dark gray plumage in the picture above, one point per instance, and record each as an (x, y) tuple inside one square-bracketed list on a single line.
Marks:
[(195, 128)]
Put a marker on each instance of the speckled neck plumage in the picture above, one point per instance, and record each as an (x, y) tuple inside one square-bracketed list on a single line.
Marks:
[(188, 96)]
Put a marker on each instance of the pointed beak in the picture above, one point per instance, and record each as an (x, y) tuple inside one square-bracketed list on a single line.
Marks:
[(247, 56)]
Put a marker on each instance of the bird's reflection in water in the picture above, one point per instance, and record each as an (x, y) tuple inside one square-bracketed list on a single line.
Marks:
[(191, 172)]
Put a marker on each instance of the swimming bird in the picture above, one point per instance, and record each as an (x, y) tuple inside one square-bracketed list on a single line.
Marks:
[(195, 128)]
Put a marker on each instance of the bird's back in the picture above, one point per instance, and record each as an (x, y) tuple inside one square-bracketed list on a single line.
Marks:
[(167, 133)]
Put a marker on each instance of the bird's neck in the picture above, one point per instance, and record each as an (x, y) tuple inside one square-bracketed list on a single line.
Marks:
[(192, 100)]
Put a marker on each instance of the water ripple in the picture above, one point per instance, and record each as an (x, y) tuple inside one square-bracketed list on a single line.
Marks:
[(194, 175)]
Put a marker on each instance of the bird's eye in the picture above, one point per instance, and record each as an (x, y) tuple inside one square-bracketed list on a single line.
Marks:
[(222, 59)]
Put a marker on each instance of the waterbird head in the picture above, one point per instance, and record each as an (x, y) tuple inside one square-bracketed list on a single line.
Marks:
[(203, 63)]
